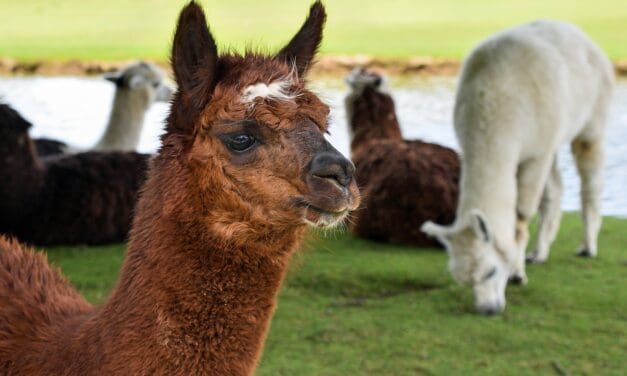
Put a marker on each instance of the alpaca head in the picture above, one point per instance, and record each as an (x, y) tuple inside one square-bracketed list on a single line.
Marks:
[(143, 80), (474, 259), (361, 78), (370, 108), (16, 147), (252, 135)]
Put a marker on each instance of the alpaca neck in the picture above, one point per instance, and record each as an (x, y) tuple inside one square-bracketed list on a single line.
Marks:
[(491, 189), (371, 116), (191, 300), (125, 121)]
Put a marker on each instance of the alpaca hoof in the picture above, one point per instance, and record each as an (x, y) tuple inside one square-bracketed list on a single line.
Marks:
[(533, 258), (585, 252), (518, 280)]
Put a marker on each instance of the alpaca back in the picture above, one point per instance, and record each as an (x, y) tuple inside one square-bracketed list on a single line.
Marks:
[(86, 198), (47, 146), (537, 83), (35, 300), (405, 183)]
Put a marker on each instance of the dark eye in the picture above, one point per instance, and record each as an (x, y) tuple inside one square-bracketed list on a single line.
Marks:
[(155, 85), (240, 142), (491, 273)]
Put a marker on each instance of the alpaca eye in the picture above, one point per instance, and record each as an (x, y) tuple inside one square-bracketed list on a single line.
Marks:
[(240, 142), (491, 273), (155, 85)]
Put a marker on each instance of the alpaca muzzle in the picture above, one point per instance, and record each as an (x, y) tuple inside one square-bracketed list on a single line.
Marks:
[(333, 192)]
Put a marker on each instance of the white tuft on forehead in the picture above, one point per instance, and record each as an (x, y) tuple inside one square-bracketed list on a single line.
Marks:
[(277, 90)]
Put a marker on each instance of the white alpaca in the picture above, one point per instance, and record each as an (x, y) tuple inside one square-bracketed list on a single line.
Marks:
[(138, 86), (523, 92)]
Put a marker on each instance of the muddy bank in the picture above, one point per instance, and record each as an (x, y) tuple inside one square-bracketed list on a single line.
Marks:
[(327, 65)]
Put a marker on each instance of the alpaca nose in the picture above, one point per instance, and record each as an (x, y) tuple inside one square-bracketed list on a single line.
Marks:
[(333, 166)]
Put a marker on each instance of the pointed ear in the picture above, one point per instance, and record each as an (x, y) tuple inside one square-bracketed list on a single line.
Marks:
[(301, 50), (194, 52), (114, 77), (479, 225), (436, 231)]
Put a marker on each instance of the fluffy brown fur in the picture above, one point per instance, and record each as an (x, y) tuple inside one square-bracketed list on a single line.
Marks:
[(404, 183), (85, 198), (212, 236)]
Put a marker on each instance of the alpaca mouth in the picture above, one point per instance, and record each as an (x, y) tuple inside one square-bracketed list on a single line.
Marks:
[(317, 217)]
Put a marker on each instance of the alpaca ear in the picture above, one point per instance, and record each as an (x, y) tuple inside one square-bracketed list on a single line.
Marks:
[(114, 77), (194, 52), (436, 231), (301, 50), (479, 225)]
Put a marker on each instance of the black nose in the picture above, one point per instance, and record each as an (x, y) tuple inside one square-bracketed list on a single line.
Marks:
[(332, 165)]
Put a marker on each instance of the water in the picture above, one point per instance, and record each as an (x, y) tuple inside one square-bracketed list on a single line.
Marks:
[(76, 109)]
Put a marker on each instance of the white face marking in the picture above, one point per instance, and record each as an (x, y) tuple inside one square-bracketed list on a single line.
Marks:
[(276, 90)]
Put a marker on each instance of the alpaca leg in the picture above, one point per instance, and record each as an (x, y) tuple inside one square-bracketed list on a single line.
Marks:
[(519, 275), (589, 159), (550, 215), (531, 180)]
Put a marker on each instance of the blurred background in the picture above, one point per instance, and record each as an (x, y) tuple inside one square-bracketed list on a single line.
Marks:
[(118, 29)]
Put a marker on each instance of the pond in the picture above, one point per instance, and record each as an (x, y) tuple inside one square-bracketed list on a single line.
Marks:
[(75, 110)]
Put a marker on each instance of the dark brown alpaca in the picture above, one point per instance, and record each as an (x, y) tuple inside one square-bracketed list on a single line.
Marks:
[(243, 167), (404, 183), (85, 198)]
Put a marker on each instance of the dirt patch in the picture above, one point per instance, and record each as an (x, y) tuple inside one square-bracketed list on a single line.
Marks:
[(327, 65)]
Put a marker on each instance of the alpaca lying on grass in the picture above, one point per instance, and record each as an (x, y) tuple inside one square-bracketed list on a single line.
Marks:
[(404, 183), (523, 93), (138, 86), (243, 168), (85, 198)]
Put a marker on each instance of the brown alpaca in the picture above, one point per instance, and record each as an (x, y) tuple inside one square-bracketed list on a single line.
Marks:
[(404, 183), (243, 167)]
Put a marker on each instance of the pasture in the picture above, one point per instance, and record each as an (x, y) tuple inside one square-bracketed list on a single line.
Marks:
[(118, 29), (353, 307)]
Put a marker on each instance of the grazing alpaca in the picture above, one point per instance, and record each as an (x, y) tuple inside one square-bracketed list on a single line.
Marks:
[(138, 86), (85, 198), (523, 93), (243, 167), (404, 183)]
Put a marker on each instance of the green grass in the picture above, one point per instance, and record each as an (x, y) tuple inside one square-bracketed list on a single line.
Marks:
[(352, 307), (121, 29)]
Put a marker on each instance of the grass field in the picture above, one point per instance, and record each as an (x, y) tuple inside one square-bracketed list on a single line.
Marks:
[(352, 307), (121, 29)]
